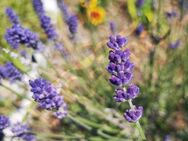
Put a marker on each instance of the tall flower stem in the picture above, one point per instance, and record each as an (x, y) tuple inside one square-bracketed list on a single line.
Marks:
[(141, 131)]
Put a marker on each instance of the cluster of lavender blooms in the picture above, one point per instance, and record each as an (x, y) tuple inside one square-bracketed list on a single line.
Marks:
[(19, 130), (45, 20), (9, 72), (121, 69), (18, 35), (70, 19), (48, 97)]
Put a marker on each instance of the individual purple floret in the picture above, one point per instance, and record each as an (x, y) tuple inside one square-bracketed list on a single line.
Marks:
[(12, 16), (171, 14), (10, 72), (139, 3), (17, 35), (46, 95), (45, 20), (71, 20), (116, 42), (133, 115), (139, 29), (4, 122), (175, 44), (23, 132)]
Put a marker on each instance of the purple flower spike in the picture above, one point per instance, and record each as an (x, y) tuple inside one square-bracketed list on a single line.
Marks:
[(70, 19), (48, 27), (12, 16), (45, 21), (10, 72), (23, 131), (4, 122), (116, 42), (72, 23), (112, 27), (46, 95), (133, 115), (17, 35)]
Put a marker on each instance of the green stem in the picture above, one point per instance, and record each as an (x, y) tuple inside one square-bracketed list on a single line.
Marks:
[(14, 92), (143, 137)]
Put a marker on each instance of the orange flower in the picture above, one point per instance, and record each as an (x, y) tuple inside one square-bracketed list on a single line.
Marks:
[(96, 15)]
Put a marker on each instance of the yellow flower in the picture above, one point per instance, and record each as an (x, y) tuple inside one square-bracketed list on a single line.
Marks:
[(96, 15)]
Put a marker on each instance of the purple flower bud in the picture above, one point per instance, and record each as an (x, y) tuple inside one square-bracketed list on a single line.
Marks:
[(4, 122), (23, 131), (120, 95), (12, 16), (133, 115)]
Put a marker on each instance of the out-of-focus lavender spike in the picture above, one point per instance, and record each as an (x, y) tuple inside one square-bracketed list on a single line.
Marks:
[(171, 14), (4, 122), (175, 44), (139, 29), (12, 16), (45, 20), (10, 72), (70, 19), (112, 27), (23, 131), (139, 3)]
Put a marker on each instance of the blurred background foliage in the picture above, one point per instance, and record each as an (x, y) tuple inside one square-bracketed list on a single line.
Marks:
[(161, 72)]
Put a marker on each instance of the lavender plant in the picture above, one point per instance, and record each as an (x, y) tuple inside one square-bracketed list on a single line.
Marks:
[(121, 69)]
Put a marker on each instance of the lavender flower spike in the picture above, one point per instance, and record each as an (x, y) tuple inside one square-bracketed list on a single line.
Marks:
[(46, 95), (12, 16), (17, 35), (45, 20), (121, 69), (71, 20), (23, 132), (4, 122)]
